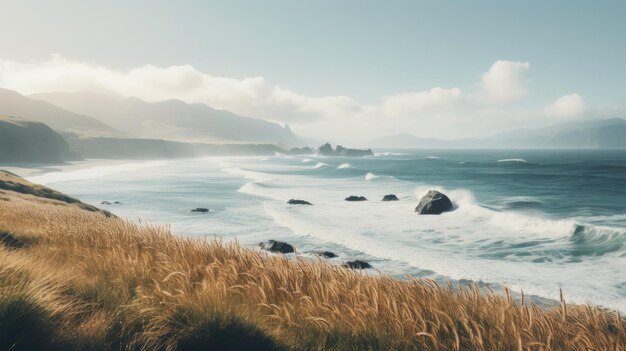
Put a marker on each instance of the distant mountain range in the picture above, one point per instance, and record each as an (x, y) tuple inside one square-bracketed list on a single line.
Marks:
[(589, 134), (172, 119), (57, 118)]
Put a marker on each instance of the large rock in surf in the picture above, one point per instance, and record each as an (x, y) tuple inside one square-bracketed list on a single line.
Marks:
[(356, 198), (277, 246), (434, 202), (357, 264), (299, 202), (390, 197), (200, 209)]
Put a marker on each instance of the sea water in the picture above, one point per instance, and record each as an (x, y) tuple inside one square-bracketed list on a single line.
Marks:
[(536, 221)]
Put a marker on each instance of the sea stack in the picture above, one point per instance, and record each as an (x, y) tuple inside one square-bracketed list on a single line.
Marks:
[(434, 202)]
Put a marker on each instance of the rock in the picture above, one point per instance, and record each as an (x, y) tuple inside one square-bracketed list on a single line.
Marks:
[(325, 254), (434, 202), (390, 197), (8, 240), (117, 203), (356, 198), (298, 202), (200, 209), (357, 264), (327, 150), (276, 246), (105, 203)]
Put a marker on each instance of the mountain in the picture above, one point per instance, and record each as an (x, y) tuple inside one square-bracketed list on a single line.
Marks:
[(588, 134), (173, 119), (591, 134), (31, 142), (59, 119)]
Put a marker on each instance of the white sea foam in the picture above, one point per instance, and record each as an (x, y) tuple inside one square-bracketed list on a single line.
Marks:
[(80, 172), (371, 176), (344, 166), (320, 165), (513, 160), (280, 155), (306, 160), (389, 154)]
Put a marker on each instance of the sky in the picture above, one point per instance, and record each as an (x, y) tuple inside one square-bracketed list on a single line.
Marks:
[(341, 70)]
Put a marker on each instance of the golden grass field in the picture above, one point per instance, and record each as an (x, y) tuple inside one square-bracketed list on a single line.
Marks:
[(74, 279)]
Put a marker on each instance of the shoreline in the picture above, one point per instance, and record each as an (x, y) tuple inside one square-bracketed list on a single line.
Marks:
[(196, 225), (94, 281)]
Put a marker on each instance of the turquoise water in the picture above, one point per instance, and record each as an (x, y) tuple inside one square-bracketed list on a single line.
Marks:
[(535, 221)]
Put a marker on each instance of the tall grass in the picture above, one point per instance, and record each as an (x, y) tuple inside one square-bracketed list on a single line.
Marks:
[(90, 282)]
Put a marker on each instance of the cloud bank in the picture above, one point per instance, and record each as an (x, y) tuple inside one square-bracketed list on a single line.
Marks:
[(437, 112), (567, 106)]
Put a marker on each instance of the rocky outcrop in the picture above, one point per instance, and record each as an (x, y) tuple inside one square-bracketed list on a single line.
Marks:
[(434, 202), (357, 264), (200, 209), (356, 198), (390, 197), (327, 150), (299, 202), (325, 254), (277, 246)]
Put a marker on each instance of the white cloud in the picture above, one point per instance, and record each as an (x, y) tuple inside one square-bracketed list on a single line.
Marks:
[(249, 96), (505, 81), (409, 105), (437, 112), (567, 106)]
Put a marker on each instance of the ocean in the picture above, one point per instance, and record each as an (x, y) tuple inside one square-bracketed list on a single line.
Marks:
[(534, 221)]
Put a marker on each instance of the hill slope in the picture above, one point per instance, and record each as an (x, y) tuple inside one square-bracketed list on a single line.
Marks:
[(172, 119), (26, 141), (59, 119)]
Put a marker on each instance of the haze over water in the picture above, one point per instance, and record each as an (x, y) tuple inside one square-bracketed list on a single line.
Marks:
[(535, 221)]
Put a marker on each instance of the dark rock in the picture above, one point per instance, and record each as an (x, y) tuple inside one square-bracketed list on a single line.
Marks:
[(298, 202), (356, 198), (325, 254), (200, 209), (357, 264), (105, 203), (276, 246), (117, 203), (390, 197), (434, 202), (327, 150), (9, 241)]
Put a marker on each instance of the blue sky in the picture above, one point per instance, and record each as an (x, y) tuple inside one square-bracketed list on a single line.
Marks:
[(363, 50)]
